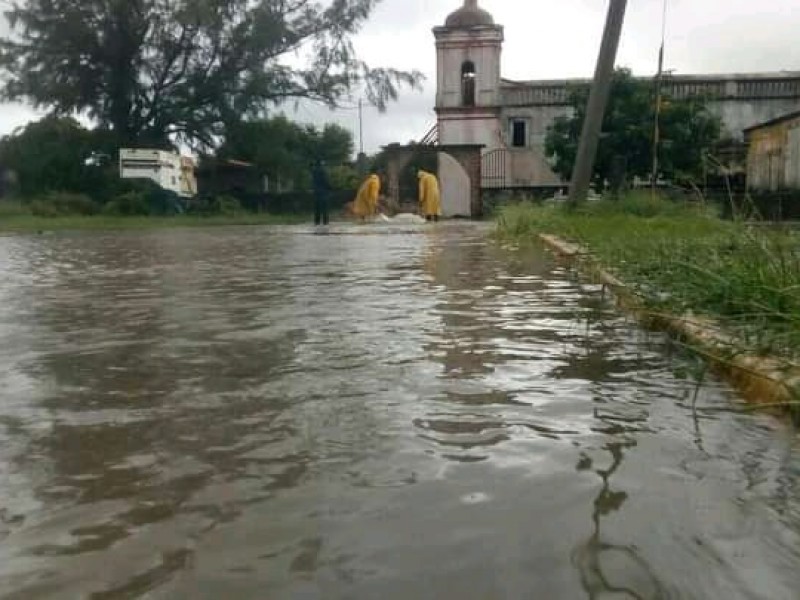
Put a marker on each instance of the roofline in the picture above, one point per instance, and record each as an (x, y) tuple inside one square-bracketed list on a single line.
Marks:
[(775, 121), (717, 77)]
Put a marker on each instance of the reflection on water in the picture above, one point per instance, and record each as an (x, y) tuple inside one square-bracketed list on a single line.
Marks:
[(594, 556), (263, 413)]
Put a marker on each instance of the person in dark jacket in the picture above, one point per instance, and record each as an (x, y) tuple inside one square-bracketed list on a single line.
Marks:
[(322, 189)]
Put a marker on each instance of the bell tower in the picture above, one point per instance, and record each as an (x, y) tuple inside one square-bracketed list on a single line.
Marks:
[(469, 47)]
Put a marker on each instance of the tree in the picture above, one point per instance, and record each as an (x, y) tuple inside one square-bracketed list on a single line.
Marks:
[(283, 150), (54, 155), (687, 131), (334, 144), (153, 70)]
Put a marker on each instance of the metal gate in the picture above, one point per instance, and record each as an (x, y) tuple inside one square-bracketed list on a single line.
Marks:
[(493, 169)]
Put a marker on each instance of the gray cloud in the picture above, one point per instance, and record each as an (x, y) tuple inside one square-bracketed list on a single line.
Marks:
[(560, 39)]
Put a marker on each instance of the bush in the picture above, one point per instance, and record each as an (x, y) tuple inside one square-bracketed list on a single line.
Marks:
[(215, 205), (344, 177), (128, 205), (642, 203), (59, 204), (227, 205), (42, 208), (12, 208)]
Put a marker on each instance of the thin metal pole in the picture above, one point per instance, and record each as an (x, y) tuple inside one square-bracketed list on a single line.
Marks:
[(360, 126), (598, 99), (657, 118)]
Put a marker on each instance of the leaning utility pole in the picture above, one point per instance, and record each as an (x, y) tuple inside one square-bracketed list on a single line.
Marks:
[(598, 99)]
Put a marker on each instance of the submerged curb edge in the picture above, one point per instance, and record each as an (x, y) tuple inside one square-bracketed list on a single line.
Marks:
[(762, 380)]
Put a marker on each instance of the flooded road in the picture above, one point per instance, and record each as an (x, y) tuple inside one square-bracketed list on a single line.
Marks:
[(263, 413)]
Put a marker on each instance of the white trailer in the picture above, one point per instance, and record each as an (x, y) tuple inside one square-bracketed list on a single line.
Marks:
[(168, 170)]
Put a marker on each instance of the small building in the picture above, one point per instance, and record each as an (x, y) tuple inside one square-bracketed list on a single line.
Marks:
[(773, 156), (168, 170), (228, 177)]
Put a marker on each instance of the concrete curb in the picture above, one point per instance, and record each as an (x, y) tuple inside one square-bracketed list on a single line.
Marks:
[(760, 380)]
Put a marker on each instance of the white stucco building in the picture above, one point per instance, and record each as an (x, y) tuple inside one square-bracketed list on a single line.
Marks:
[(476, 105)]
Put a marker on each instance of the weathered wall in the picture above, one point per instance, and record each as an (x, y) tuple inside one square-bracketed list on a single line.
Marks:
[(773, 160), (741, 101), (539, 119), (482, 46), (529, 167), (738, 115), (455, 187), (479, 126), (793, 158)]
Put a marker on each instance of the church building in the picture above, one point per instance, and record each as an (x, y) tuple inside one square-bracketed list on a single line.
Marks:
[(476, 105)]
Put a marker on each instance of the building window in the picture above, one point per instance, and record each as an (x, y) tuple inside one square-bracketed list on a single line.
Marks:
[(468, 83), (519, 133)]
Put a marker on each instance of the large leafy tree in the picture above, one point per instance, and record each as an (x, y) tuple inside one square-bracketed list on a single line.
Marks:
[(56, 154), (154, 70), (687, 132), (283, 149)]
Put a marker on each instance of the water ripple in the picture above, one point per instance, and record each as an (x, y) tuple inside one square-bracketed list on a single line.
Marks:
[(403, 414)]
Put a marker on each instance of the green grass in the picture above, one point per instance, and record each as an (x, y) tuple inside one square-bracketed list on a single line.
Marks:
[(681, 258), (16, 222)]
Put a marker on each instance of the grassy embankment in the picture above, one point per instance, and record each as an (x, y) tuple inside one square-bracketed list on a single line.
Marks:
[(16, 218), (678, 259)]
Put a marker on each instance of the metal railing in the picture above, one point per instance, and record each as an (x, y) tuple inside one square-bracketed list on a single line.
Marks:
[(494, 169)]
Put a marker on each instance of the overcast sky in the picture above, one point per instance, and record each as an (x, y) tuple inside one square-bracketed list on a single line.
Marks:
[(548, 39)]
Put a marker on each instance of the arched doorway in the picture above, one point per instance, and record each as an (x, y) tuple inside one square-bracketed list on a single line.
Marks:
[(457, 166), (424, 158)]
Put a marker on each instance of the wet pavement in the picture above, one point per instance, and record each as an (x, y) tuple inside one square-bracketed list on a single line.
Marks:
[(266, 413)]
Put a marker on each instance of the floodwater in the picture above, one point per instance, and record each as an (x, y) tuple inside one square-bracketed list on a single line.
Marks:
[(269, 414)]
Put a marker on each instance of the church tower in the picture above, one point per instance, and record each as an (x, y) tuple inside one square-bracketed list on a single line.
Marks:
[(469, 47)]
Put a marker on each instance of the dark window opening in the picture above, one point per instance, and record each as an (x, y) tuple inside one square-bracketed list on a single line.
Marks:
[(468, 83), (519, 134)]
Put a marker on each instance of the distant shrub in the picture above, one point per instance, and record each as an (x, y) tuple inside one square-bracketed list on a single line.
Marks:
[(344, 177), (58, 204), (12, 208), (227, 205), (128, 205), (42, 208), (215, 205), (643, 203)]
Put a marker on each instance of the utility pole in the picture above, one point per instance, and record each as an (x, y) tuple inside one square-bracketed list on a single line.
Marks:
[(360, 126), (657, 118), (657, 124), (361, 161), (598, 99)]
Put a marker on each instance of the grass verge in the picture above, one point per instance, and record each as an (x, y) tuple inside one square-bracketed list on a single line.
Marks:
[(21, 223), (681, 259)]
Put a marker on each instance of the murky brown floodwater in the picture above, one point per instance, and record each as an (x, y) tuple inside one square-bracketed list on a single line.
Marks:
[(267, 414)]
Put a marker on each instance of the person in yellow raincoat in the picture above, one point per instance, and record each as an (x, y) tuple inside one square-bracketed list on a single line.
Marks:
[(366, 202), (430, 202)]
